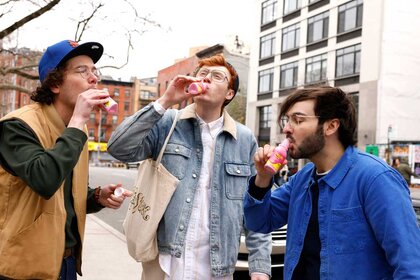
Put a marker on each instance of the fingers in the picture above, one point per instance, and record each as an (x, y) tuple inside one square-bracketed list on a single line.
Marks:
[(263, 153), (110, 199), (94, 97)]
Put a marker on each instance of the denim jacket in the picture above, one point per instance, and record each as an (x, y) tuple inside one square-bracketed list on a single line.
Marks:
[(142, 135), (367, 225)]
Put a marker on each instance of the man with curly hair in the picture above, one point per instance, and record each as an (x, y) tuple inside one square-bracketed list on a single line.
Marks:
[(44, 193)]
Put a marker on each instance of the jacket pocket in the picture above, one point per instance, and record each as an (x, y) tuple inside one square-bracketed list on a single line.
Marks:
[(236, 179), (41, 240), (350, 231), (175, 159)]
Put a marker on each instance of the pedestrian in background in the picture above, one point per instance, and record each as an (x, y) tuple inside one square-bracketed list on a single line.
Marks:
[(211, 155), (404, 170), (44, 193), (348, 213)]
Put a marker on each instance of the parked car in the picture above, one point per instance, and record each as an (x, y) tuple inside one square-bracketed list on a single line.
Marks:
[(277, 253), (129, 165)]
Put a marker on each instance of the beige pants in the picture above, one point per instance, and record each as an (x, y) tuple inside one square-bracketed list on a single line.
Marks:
[(152, 270)]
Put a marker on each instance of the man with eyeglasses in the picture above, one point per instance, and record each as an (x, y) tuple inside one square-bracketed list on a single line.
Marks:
[(211, 155), (348, 214), (44, 193)]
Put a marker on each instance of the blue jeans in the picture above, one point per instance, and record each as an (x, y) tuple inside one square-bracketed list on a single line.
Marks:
[(68, 269)]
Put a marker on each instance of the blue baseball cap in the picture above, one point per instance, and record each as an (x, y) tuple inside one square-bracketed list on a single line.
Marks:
[(57, 54)]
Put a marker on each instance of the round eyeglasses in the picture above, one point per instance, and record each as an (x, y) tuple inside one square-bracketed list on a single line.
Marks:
[(294, 120), (217, 76), (85, 72)]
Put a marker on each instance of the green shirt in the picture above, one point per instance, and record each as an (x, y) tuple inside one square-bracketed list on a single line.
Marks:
[(45, 170)]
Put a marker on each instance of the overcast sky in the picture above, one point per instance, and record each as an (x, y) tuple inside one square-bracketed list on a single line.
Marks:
[(187, 23)]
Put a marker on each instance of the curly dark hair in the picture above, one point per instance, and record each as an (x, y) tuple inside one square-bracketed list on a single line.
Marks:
[(43, 93), (330, 103)]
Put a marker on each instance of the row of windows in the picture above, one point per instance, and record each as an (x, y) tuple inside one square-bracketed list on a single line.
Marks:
[(269, 10), (347, 63), (102, 137), (117, 92), (349, 18), (147, 94)]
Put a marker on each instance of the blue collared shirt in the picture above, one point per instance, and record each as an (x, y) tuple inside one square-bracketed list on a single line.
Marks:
[(367, 224)]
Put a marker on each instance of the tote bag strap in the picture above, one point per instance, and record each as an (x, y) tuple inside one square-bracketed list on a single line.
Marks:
[(178, 113)]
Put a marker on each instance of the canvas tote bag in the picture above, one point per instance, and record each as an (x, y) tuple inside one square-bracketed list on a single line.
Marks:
[(153, 190)]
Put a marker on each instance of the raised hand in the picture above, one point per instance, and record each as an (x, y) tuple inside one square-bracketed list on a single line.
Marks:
[(85, 103), (177, 91)]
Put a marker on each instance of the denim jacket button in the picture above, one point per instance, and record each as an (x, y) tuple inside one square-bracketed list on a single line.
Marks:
[(238, 171), (181, 228), (188, 200), (177, 150), (194, 176)]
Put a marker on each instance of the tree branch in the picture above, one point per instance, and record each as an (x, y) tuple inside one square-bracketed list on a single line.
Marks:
[(82, 24), (14, 87), (28, 18)]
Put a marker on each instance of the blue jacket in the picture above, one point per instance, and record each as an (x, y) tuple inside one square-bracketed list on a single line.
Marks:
[(367, 225), (142, 135)]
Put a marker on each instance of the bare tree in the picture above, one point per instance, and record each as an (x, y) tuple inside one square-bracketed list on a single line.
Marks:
[(89, 19)]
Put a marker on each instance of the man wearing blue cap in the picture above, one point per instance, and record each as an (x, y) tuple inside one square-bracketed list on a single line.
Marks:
[(44, 193), (211, 155)]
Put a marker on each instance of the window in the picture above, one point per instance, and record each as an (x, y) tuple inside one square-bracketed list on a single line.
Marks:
[(127, 106), (91, 133), (127, 93), (318, 27), (291, 5), (103, 135), (146, 94), (269, 11), (265, 80), (288, 75), (116, 92), (114, 119), (265, 117), (348, 61), (103, 119), (350, 16), (316, 68), (92, 117), (267, 45), (290, 38)]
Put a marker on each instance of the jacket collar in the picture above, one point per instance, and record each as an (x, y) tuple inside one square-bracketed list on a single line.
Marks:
[(52, 115), (229, 124), (339, 171)]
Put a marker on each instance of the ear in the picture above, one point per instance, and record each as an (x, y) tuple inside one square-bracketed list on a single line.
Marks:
[(331, 126), (55, 90), (230, 94)]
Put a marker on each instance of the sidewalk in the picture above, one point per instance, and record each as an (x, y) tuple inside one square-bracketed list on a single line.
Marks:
[(105, 255)]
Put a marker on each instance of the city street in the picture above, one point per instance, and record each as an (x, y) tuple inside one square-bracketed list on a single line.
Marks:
[(102, 176)]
